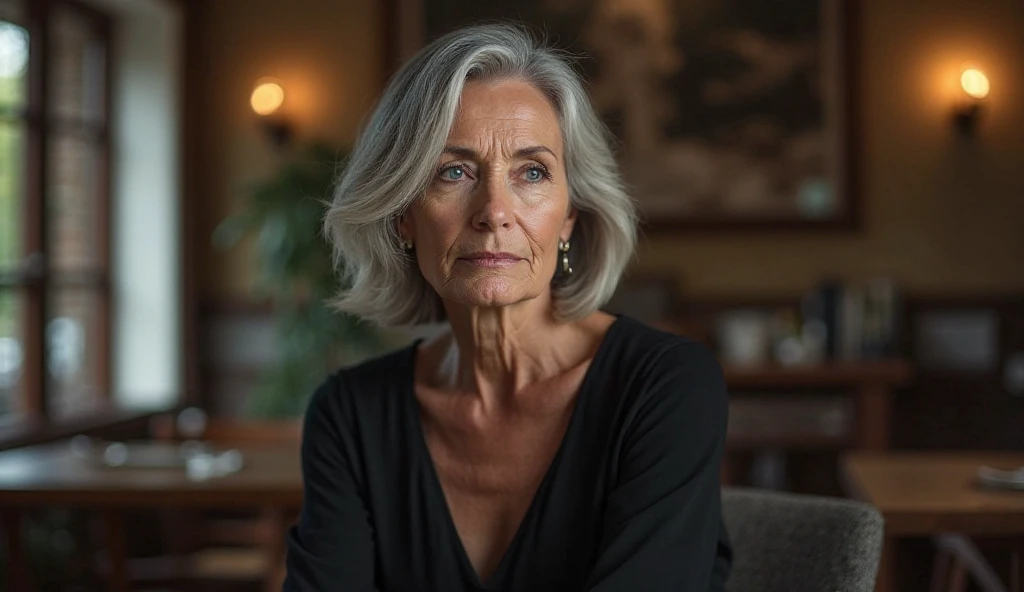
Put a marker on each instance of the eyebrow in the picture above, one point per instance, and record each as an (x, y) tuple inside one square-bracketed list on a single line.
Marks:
[(528, 151)]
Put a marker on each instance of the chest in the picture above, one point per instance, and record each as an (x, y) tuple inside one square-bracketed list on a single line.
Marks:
[(494, 460), (490, 468)]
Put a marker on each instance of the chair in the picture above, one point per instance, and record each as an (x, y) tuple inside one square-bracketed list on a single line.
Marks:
[(211, 549), (958, 560), (786, 542)]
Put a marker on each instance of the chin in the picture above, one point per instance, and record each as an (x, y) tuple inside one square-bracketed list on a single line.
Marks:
[(490, 292)]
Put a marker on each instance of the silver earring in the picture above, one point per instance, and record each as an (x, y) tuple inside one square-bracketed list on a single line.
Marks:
[(407, 245), (563, 246)]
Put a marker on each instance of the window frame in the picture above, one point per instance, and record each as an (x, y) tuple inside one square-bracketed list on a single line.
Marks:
[(34, 279)]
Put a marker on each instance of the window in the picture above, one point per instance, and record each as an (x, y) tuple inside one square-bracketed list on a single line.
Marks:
[(54, 208)]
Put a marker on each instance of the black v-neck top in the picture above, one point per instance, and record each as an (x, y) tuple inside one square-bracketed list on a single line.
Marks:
[(631, 500)]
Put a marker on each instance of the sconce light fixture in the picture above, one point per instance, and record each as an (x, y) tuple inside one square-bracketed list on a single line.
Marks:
[(266, 100), (975, 88)]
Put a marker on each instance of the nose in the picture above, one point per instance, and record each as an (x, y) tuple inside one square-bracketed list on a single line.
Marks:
[(494, 206)]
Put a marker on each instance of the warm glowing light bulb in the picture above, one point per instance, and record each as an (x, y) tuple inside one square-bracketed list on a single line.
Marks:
[(266, 98), (975, 83)]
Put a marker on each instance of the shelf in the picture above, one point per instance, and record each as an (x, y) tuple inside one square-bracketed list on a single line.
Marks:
[(890, 372), (788, 442)]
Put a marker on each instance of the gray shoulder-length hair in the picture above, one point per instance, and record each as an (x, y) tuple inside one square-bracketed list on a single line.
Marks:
[(396, 156)]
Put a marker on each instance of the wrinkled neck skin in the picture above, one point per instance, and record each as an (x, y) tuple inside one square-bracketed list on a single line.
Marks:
[(497, 353)]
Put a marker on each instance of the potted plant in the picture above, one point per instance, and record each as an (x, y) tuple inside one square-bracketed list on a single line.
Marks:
[(284, 214)]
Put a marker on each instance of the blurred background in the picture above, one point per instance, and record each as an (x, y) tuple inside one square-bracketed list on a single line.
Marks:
[(833, 200)]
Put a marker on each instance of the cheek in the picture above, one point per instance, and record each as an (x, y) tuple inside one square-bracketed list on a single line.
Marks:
[(441, 205), (544, 224), (437, 228)]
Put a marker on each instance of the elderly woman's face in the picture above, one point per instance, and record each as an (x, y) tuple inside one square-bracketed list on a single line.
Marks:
[(486, 231)]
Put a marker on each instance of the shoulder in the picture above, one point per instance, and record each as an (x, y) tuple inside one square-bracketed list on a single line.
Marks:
[(350, 392), (657, 352), (666, 373)]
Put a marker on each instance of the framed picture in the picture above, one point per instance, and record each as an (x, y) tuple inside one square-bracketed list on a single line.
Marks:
[(728, 113)]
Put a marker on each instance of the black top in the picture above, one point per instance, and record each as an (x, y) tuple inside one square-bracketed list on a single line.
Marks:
[(631, 500)]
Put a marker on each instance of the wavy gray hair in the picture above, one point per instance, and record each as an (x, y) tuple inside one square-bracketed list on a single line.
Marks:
[(394, 160)]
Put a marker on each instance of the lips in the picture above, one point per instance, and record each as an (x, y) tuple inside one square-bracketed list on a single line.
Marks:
[(491, 259), (490, 255)]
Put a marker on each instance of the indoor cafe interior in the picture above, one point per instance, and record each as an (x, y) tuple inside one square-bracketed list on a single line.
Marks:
[(830, 198)]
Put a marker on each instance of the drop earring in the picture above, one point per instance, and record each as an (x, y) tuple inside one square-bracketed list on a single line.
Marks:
[(563, 246)]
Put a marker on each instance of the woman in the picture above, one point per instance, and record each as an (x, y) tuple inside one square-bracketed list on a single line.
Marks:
[(538, 444)]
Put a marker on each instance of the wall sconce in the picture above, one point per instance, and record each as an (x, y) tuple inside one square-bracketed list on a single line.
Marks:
[(975, 87), (266, 100)]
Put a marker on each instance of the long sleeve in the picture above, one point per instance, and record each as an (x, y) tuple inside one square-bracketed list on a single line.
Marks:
[(331, 547), (662, 526)]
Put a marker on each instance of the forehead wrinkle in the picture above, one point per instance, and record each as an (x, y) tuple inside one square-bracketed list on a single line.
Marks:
[(507, 118), (512, 143), (506, 124)]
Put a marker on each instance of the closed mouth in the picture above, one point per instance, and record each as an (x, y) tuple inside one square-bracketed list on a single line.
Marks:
[(486, 259)]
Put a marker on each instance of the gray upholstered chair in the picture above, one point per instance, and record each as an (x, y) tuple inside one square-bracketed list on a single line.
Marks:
[(786, 542)]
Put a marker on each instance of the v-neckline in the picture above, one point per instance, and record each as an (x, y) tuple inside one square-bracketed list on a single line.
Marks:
[(435, 480)]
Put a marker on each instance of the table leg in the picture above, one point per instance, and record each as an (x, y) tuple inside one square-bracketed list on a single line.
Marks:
[(886, 581), (873, 410), (728, 469), (276, 525), (19, 569), (114, 524), (1016, 572), (940, 570)]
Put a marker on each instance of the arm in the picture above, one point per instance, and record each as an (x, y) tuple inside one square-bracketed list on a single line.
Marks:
[(332, 544), (662, 524)]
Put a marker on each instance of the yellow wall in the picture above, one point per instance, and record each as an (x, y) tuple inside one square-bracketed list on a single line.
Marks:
[(939, 215), (328, 56)]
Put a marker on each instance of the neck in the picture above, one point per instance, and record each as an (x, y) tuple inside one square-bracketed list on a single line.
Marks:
[(495, 353)]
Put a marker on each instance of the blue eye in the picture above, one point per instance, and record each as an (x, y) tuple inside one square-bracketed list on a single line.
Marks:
[(534, 174), (454, 173)]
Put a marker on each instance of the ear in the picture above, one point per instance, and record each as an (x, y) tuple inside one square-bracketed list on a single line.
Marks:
[(569, 224), (406, 229)]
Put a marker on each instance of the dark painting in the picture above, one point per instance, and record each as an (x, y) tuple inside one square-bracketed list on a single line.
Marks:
[(728, 112)]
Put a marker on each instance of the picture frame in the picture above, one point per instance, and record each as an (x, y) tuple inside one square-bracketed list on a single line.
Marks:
[(729, 115)]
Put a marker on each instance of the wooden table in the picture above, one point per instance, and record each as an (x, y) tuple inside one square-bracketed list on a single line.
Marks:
[(52, 476), (923, 494)]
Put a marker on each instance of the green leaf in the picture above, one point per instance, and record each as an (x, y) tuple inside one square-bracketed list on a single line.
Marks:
[(233, 229), (284, 212)]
